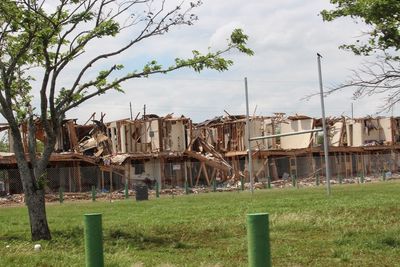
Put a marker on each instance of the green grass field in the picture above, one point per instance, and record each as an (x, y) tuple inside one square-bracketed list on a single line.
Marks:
[(359, 225)]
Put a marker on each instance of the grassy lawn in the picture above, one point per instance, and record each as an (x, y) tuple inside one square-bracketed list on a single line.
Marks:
[(359, 225)]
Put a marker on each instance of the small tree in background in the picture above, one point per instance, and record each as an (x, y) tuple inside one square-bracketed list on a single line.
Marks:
[(50, 36), (381, 76)]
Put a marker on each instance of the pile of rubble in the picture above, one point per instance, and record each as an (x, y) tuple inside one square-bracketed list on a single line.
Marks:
[(306, 182), (12, 199)]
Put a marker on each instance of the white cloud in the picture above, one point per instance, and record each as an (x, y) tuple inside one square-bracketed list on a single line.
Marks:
[(285, 35)]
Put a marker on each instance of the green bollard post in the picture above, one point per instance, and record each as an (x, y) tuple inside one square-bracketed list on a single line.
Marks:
[(317, 180), (157, 190), (362, 177), (340, 180), (93, 193), (383, 176), (214, 185), (61, 195), (93, 240), (126, 191), (241, 184), (186, 188), (259, 250), (269, 182), (294, 180)]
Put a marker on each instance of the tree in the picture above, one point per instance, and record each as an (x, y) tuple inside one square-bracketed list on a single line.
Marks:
[(50, 36), (382, 75)]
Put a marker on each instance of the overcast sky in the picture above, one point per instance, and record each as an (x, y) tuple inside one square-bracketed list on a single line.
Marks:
[(285, 36)]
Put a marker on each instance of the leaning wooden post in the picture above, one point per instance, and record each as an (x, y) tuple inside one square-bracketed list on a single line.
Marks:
[(241, 184), (93, 193), (294, 180), (259, 250), (317, 180), (61, 195), (93, 240), (269, 182)]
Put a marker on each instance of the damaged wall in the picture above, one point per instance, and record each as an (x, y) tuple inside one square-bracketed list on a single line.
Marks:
[(336, 133), (295, 125), (369, 131)]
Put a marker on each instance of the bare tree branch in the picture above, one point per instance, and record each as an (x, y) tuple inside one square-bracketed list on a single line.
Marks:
[(381, 77)]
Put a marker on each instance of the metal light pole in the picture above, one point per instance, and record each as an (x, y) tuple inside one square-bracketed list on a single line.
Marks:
[(250, 161), (326, 152)]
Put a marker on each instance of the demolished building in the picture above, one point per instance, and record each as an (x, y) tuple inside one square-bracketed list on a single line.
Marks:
[(174, 151)]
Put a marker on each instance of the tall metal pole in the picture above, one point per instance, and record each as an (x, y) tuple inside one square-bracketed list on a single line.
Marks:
[(250, 161), (352, 111), (326, 152)]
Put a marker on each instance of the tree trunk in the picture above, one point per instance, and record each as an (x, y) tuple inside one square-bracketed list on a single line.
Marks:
[(36, 208), (37, 215), (35, 201), (33, 186)]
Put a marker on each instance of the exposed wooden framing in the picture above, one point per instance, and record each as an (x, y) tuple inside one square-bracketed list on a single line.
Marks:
[(119, 141), (203, 167), (214, 171), (274, 169), (73, 139), (211, 162), (266, 168), (263, 168), (198, 175), (123, 139)]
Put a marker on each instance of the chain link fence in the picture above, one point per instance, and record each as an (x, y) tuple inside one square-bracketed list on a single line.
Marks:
[(68, 179), (277, 171)]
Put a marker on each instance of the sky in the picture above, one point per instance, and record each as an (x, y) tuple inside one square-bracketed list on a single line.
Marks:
[(285, 36)]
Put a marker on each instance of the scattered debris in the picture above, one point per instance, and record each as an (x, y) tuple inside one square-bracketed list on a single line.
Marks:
[(18, 199)]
